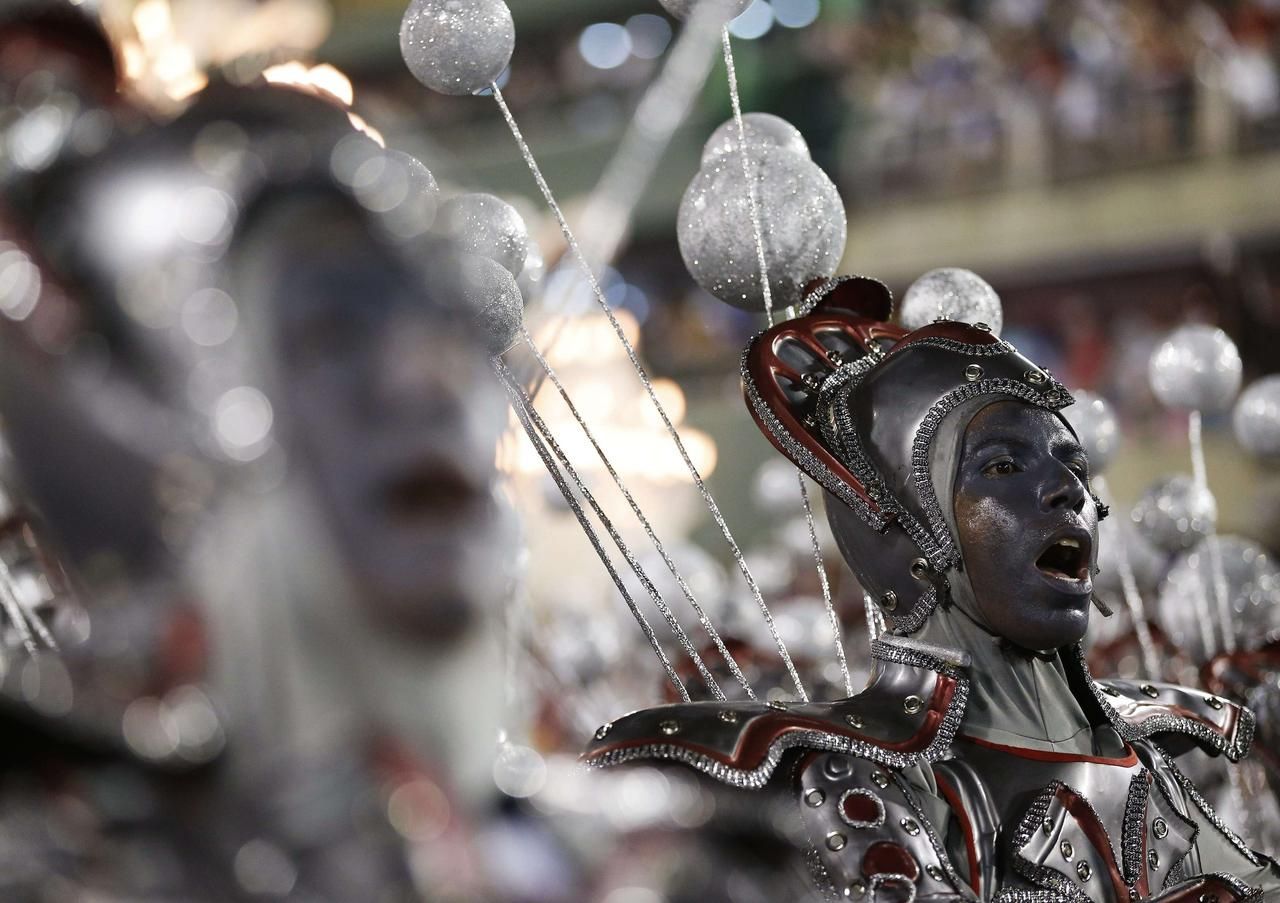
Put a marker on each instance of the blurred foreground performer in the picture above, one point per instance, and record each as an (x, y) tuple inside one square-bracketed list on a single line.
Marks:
[(242, 355), (982, 762), (59, 87)]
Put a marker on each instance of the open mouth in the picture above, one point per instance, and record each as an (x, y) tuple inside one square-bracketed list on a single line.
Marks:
[(430, 490), (1066, 557)]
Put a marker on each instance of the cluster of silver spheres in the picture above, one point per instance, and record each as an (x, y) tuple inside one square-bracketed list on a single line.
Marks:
[(801, 217)]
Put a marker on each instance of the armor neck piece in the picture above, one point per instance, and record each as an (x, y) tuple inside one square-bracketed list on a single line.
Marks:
[(1016, 698)]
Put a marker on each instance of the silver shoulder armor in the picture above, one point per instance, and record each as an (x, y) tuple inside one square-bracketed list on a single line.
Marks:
[(1147, 709), (908, 714)]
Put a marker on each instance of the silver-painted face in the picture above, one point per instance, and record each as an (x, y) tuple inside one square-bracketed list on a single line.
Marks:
[(1027, 525)]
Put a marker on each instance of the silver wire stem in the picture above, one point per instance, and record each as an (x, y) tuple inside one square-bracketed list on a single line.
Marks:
[(640, 516), (683, 638), (757, 233), (518, 404), (710, 502)]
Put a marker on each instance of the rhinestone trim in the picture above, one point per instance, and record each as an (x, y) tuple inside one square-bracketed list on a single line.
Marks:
[(1031, 822), (804, 458), (755, 778), (1173, 724), (1207, 810), (858, 823), (945, 553), (973, 350), (1176, 869), (1135, 810), (939, 849), (841, 434)]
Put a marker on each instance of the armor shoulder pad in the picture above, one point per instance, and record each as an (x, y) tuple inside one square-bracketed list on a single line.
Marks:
[(1149, 709), (905, 715)]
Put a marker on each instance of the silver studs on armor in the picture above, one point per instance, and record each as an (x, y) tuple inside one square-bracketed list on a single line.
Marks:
[(879, 779), (669, 727), (776, 704), (1067, 850), (1159, 828), (889, 601), (1047, 826), (729, 716), (1214, 702), (985, 327), (853, 721), (835, 841), (814, 798), (1149, 690), (934, 872), (603, 730), (856, 891), (920, 569), (838, 766), (912, 704), (1153, 860), (1035, 377), (1084, 871), (911, 826), (973, 373)]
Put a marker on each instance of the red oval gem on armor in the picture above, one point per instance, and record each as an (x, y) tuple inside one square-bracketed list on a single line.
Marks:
[(885, 858), (859, 807)]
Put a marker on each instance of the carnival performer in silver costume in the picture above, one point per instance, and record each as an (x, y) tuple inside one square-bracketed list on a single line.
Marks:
[(982, 761)]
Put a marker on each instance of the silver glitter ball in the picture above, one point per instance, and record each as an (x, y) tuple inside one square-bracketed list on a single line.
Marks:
[(1256, 418), (1252, 593), (762, 129), (1196, 368), (457, 46), (400, 189), (489, 226), (802, 223), (1174, 514), (491, 294), (682, 9), (1118, 536), (1096, 428), (951, 293)]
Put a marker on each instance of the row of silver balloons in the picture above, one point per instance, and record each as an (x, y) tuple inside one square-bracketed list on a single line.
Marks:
[(1169, 544)]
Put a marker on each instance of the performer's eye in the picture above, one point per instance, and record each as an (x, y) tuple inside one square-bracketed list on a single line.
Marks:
[(1080, 467), (1002, 466)]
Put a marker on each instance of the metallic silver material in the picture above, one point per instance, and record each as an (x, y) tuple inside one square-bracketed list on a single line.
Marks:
[(814, 797), (669, 727), (912, 704), (973, 372), (836, 841), (889, 601)]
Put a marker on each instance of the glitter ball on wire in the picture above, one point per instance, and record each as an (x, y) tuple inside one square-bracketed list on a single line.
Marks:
[(1174, 514), (1096, 428), (1196, 368), (682, 9), (457, 46), (802, 224), (951, 293), (483, 224), (491, 295), (1253, 589), (1256, 419), (763, 130)]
